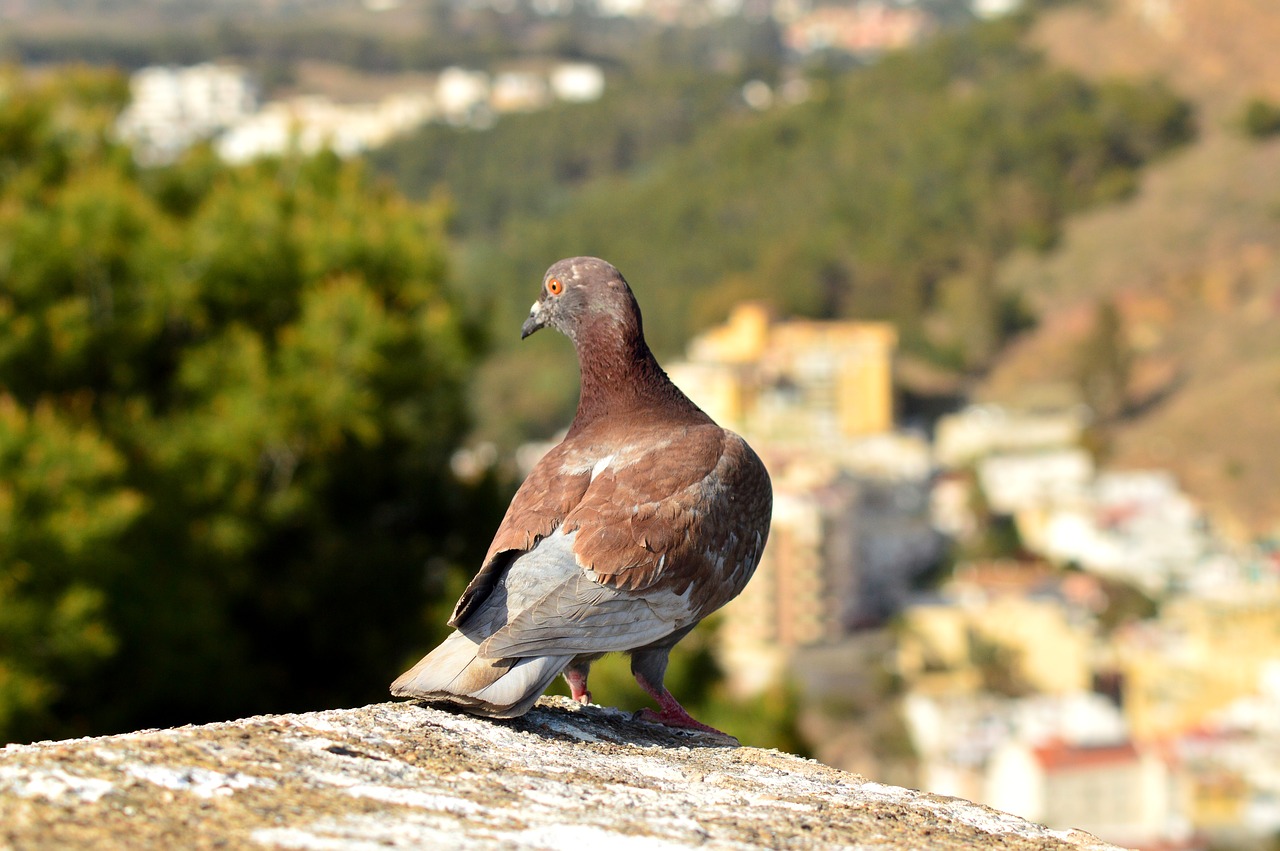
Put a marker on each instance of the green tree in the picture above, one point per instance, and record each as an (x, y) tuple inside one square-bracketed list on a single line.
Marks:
[(1104, 364), (228, 399), (1261, 118), (63, 504)]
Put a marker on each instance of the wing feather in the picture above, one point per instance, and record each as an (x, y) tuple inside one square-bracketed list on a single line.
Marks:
[(583, 616)]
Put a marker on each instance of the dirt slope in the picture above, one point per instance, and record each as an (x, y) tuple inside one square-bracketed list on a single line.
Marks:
[(1191, 261)]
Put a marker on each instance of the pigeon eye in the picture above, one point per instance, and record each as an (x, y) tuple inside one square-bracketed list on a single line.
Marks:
[(554, 286)]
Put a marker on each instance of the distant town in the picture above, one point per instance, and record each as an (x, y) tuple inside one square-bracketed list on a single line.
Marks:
[(1032, 679), (174, 107)]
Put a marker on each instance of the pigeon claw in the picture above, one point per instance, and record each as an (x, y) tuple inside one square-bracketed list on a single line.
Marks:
[(672, 714)]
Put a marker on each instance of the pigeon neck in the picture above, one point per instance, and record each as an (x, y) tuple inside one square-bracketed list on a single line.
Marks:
[(620, 376)]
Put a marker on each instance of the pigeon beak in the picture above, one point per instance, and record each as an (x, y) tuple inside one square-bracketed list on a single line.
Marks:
[(535, 321)]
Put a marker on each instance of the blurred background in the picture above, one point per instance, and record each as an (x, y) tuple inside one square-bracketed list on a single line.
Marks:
[(993, 287)]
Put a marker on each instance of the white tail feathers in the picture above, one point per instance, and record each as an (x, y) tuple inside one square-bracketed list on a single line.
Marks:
[(500, 688)]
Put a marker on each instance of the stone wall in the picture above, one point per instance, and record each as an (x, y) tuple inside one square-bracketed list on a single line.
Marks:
[(407, 775)]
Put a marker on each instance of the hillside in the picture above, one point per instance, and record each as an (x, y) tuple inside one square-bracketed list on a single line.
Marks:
[(1218, 52), (1191, 260), (887, 193)]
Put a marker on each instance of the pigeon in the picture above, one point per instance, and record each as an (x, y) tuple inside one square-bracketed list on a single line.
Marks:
[(643, 520)]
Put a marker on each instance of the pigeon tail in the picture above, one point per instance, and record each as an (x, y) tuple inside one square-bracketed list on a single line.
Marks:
[(500, 688)]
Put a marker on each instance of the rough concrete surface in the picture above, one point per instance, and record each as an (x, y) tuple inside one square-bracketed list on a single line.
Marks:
[(408, 775)]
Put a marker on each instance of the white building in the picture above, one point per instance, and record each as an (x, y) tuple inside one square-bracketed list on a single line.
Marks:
[(621, 8), (1062, 760), (988, 9), (173, 108), (519, 91), (959, 736), (1014, 483), (577, 82), (462, 94), (981, 430), (1119, 792), (311, 123), (1135, 525)]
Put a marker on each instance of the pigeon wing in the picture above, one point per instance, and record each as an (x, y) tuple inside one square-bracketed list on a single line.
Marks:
[(657, 544), (692, 514)]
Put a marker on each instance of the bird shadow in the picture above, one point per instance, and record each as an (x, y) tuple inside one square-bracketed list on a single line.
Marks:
[(566, 720)]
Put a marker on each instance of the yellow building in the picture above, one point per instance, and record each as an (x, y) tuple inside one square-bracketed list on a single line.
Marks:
[(808, 395), (997, 615), (794, 599), (1201, 656), (843, 552), (793, 381)]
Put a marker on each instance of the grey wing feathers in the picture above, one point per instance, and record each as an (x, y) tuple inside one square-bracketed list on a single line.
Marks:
[(582, 616), (547, 604)]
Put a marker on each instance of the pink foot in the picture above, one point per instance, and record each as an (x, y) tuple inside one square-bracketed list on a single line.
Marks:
[(673, 714), (681, 719)]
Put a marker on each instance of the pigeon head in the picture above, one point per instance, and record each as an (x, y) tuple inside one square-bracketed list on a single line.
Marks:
[(581, 295)]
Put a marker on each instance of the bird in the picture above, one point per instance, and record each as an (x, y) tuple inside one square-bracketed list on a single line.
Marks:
[(643, 520)]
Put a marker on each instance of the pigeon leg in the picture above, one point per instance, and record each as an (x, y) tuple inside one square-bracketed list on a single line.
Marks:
[(672, 714), (649, 667), (575, 675)]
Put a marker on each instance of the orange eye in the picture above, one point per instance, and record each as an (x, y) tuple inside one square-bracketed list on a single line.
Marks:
[(554, 286)]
